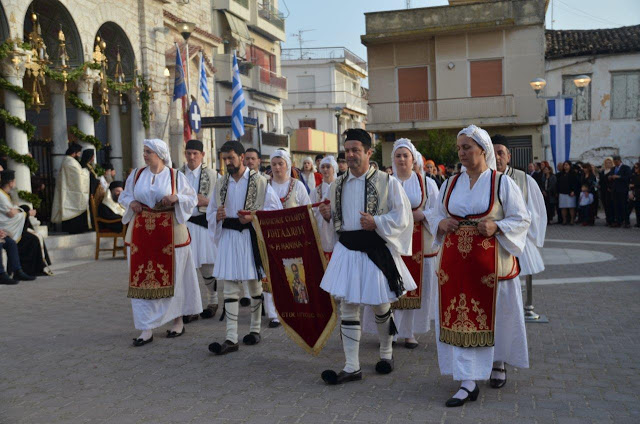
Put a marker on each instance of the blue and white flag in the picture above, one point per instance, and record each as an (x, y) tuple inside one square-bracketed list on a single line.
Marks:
[(237, 121), (560, 116), (179, 87), (204, 88)]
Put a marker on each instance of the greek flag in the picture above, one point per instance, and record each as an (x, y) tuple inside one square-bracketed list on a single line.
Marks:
[(179, 87), (560, 116), (237, 122), (204, 88)]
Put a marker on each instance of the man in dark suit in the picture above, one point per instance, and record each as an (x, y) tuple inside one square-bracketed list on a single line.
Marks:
[(619, 180)]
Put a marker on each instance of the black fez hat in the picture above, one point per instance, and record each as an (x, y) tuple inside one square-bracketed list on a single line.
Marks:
[(7, 176), (499, 139), (73, 148), (234, 145), (360, 135), (341, 156), (116, 184), (194, 145)]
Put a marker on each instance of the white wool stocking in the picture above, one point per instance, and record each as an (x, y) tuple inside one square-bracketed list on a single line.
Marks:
[(255, 291), (384, 317), (350, 331), (210, 283), (232, 290), (270, 307)]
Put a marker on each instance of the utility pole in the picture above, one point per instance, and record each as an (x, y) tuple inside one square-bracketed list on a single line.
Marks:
[(301, 40), (408, 4)]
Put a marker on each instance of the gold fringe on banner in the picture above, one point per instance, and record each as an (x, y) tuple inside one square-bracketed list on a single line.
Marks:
[(466, 338), (150, 294)]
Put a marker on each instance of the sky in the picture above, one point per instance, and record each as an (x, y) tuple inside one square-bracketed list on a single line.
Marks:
[(340, 23)]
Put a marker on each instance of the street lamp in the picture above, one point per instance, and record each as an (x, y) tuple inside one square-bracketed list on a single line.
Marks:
[(338, 114), (581, 81), (538, 85), (186, 28)]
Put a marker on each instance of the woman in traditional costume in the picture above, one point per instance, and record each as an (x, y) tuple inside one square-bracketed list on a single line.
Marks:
[(310, 175), (481, 224), (292, 193), (163, 285), (329, 171)]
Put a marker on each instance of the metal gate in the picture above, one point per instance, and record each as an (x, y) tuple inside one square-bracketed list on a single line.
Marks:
[(521, 152), (43, 183)]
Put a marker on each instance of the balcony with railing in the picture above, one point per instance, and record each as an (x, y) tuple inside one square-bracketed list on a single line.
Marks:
[(269, 82), (239, 8), (268, 20), (310, 140), (385, 113), (224, 70), (334, 54)]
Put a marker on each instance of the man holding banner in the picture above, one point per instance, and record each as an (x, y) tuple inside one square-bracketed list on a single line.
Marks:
[(371, 215), (238, 258)]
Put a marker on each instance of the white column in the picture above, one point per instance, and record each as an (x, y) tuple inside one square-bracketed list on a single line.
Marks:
[(58, 112), (137, 132), (85, 93), (15, 137), (114, 135)]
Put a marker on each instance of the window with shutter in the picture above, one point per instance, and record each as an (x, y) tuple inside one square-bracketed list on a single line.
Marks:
[(625, 94), (486, 77), (582, 103), (413, 93)]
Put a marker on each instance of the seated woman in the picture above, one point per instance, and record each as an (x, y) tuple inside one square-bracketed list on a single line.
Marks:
[(15, 221)]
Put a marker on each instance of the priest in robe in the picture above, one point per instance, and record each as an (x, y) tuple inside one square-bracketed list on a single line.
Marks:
[(71, 197), (372, 219), (111, 209), (14, 220)]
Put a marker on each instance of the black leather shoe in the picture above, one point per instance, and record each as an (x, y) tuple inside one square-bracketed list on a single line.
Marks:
[(472, 396), (6, 280), (411, 345), (224, 348), (331, 378), (384, 366), (274, 324), (245, 301), (251, 339), (496, 383), (172, 334), (20, 275), (209, 312), (142, 342), (186, 319)]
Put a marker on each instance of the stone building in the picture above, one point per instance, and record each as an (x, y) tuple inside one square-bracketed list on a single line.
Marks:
[(143, 33), (606, 117), (450, 66)]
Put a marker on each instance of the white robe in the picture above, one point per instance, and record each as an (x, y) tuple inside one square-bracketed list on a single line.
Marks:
[(351, 276), (186, 300), (475, 363), (14, 225), (325, 229), (71, 196), (531, 261), (234, 256), (203, 249), (410, 322)]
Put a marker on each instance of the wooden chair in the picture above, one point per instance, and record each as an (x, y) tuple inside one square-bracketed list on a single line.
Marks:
[(107, 233)]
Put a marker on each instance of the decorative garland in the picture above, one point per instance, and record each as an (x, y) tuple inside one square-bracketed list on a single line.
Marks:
[(73, 75), (34, 199), (145, 97), (80, 105), (25, 126), (23, 94), (27, 160), (87, 138)]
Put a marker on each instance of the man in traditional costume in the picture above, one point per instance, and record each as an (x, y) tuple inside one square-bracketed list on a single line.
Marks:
[(163, 284), (203, 250), (292, 193), (371, 215), (530, 261), (110, 209), (481, 224), (239, 191), (71, 197), (413, 313)]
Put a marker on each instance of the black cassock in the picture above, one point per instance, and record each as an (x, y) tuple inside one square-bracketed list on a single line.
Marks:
[(106, 213), (29, 251)]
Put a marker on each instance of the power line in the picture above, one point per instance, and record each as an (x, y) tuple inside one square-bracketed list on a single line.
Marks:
[(586, 14)]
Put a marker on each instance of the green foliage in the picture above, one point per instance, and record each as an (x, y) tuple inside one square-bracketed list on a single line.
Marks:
[(25, 126), (23, 159), (23, 94), (377, 153), (35, 200), (145, 97), (85, 137), (77, 103), (439, 146)]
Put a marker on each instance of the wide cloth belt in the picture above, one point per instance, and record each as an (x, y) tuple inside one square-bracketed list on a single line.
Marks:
[(200, 220), (236, 225), (376, 249)]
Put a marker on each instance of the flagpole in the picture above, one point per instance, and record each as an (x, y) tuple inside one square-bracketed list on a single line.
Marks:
[(199, 78), (188, 73)]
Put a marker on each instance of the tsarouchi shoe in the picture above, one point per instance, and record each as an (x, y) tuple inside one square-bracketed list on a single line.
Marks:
[(330, 377), (209, 312), (251, 339), (384, 366), (224, 348)]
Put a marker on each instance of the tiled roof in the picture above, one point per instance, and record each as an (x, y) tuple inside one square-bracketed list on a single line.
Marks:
[(568, 43)]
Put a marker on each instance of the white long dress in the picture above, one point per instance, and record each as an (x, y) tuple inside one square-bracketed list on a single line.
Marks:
[(327, 235), (234, 256), (186, 300), (531, 261), (203, 249), (510, 335), (410, 322), (351, 276)]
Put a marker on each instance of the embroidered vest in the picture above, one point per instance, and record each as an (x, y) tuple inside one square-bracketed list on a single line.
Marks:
[(520, 177), (376, 193), (181, 235), (289, 200), (508, 266), (206, 184), (256, 191)]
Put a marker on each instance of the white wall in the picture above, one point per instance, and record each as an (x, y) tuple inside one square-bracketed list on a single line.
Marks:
[(601, 136)]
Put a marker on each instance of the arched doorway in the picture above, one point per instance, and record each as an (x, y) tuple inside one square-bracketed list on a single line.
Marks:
[(117, 41)]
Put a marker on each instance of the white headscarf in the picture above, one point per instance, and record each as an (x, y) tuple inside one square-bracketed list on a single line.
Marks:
[(406, 143), (161, 149), (313, 165), (481, 137), (331, 161), (420, 164), (284, 155)]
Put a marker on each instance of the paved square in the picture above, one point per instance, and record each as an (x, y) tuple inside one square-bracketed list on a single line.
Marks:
[(66, 357)]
